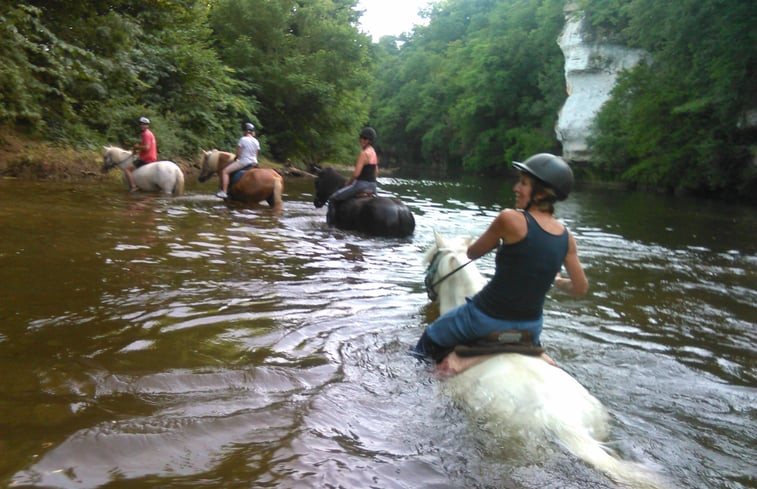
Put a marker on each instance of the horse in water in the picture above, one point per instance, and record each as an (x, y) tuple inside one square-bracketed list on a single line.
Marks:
[(250, 186), (521, 393), (164, 176), (376, 216)]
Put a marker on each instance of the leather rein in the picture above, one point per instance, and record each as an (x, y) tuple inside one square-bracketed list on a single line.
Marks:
[(431, 271)]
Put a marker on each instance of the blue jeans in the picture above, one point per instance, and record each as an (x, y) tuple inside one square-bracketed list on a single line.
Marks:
[(466, 323), (355, 188)]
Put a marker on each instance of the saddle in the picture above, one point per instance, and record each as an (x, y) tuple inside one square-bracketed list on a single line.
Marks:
[(512, 341)]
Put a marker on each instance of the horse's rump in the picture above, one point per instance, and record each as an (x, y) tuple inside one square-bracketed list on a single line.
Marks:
[(163, 175), (377, 216)]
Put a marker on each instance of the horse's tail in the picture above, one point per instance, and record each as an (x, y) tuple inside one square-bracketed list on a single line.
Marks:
[(592, 451), (178, 187), (278, 191)]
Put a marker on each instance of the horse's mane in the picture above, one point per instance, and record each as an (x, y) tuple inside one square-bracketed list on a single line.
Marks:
[(456, 246), (212, 157), (220, 152), (108, 149)]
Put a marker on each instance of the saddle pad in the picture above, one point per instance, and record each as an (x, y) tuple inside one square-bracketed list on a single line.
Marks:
[(494, 348), (237, 175)]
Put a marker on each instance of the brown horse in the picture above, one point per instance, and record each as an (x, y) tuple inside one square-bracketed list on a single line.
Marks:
[(255, 185)]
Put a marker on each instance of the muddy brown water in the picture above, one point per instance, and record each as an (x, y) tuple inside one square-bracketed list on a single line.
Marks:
[(148, 341)]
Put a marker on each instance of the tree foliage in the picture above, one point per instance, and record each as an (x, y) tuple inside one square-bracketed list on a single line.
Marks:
[(681, 120), (83, 72), (306, 66), (480, 84)]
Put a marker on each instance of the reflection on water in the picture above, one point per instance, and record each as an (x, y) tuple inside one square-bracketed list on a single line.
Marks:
[(180, 341)]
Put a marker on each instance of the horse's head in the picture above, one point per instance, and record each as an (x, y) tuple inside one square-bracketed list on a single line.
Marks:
[(213, 161), (328, 182), (450, 275), (205, 169), (113, 156)]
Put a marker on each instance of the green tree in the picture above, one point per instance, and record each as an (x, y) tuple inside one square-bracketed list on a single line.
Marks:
[(308, 68), (82, 72), (680, 122), (481, 84)]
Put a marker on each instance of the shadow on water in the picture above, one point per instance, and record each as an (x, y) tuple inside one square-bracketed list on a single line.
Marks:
[(152, 342)]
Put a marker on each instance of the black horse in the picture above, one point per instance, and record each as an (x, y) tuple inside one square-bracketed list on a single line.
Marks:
[(377, 216)]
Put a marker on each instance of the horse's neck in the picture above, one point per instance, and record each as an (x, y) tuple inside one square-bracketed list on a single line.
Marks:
[(338, 180), (122, 157), (221, 160), (465, 282)]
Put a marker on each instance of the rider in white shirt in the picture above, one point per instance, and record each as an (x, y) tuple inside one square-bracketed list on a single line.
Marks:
[(248, 148)]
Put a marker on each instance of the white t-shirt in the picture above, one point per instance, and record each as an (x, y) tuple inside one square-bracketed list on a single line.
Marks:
[(249, 150)]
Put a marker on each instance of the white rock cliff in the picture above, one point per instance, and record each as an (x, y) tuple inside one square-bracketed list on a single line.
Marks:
[(591, 69)]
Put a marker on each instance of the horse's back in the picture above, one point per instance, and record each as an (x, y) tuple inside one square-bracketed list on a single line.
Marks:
[(385, 216), (259, 184), (376, 216), (164, 175)]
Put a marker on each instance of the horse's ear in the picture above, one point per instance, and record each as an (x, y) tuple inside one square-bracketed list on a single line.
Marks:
[(439, 239)]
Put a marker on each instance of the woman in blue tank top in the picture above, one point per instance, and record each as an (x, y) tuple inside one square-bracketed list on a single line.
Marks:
[(532, 247)]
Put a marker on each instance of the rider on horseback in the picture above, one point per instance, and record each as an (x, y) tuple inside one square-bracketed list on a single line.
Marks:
[(363, 178), (532, 247), (248, 148), (148, 152)]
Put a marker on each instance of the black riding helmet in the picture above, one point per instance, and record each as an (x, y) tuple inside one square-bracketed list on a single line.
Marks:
[(550, 169), (368, 133), (248, 127)]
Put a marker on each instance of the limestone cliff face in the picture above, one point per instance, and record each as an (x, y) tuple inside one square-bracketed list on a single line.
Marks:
[(591, 69)]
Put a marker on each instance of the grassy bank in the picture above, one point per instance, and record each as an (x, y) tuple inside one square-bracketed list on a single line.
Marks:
[(28, 158)]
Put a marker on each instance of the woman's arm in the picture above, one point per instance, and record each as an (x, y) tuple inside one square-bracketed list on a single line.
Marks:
[(576, 284), (509, 226), (506, 226), (361, 159)]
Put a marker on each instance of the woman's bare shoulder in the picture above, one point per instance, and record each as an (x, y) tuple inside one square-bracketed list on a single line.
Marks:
[(512, 224), (510, 216)]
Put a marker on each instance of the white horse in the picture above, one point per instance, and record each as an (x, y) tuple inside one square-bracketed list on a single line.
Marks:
[(164, 176), (523, 394)]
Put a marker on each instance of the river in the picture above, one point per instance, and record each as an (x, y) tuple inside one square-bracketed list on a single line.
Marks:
[(150, 341)]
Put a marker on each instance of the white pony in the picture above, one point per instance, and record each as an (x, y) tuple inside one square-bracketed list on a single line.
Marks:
[(164, 176), (523, 394)]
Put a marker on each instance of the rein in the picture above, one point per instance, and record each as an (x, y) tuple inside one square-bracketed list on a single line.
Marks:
[(431, 270), (110, 159)]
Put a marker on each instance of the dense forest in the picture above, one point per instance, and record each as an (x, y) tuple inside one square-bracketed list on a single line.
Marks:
[(479, 85)]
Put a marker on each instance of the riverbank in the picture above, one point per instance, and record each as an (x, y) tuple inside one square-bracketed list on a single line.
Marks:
[(28, 158)]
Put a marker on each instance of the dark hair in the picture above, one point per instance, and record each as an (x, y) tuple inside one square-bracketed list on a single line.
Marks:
[(543, 196)]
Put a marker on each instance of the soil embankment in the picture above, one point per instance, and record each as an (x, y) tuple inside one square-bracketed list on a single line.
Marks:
[(28, 158)]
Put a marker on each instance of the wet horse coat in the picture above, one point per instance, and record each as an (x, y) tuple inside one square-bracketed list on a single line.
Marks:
[(521, 394), (164, 176), (376, 216), (255, 185)]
